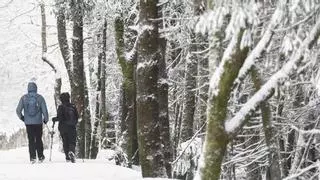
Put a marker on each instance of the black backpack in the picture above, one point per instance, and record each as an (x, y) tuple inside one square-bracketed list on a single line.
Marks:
[(70, 114)]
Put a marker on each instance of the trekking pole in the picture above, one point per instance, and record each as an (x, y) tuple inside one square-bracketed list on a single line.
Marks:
[(51, 141)]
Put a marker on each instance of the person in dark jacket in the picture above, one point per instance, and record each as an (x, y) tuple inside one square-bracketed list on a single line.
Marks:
[(34, 114), (67, 116)]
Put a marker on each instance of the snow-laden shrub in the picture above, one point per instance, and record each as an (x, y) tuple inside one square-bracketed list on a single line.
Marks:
[(187, 158), (116, 156)]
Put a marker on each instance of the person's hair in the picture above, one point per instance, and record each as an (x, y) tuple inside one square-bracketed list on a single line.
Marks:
[(65, 97)]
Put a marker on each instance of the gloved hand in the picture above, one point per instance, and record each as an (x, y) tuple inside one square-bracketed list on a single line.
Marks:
[(22, 118), (45, 122), (54, 119)]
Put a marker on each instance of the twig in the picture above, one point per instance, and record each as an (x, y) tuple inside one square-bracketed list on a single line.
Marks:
[(300, 22), (6, 4), (14, 18), (190, 141), (49, 63)]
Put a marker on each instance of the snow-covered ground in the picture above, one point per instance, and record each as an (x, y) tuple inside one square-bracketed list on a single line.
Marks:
[(15, 165)]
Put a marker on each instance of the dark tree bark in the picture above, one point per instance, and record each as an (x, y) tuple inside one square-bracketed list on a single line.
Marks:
[(216, 136), (79, 90), (129, 116), (189, 94), (149, 54), (163, 88)]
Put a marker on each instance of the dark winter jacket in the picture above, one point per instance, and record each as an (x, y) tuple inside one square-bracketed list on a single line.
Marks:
[(62, 118), (41, 116)]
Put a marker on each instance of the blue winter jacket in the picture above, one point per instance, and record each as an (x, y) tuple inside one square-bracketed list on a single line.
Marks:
[(41, 116)]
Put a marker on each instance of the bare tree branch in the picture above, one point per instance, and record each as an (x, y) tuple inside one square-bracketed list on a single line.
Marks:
[(233, 125), (24, 13), (6, 4)]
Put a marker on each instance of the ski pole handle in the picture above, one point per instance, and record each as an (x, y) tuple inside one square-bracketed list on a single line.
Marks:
[(53, 124)]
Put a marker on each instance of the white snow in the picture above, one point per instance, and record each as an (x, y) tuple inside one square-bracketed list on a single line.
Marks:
[(15, 165), (261, 46)]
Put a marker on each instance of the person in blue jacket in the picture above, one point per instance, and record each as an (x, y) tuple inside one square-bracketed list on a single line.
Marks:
[(32, 110)]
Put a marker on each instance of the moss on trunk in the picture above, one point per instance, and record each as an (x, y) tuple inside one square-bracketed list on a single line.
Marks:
[(216, 137), (129, 124)]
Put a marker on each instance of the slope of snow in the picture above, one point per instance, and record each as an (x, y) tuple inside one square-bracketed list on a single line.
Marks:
[(14, 165)]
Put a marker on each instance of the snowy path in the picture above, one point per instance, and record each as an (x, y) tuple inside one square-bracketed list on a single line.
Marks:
[(15, 165)]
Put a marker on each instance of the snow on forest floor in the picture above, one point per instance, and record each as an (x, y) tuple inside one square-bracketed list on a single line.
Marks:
[(15, 165)]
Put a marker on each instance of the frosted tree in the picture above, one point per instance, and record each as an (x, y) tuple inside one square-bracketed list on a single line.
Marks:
[(147, 74), (75, 68), (100, 110), (127, 62), (58, 81), (236, 62)]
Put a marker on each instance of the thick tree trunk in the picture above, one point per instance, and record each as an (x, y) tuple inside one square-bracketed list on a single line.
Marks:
[(129, 116), (151, 154), (79, 90), (216, 136)]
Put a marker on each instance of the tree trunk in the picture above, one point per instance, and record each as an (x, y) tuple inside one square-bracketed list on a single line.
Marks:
[(58, 83), (129, 116), (253, 170), (203, 84), (190, 79), (151, 154), (274, 169), (189, 96), (62, 39), (163, 88), (98, 114), (79, 90), (103, 109), (216, 136), (95, 137)]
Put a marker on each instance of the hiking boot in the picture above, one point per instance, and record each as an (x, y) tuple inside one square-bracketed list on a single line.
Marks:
[(41, 159), (32, 161), (72, 156)]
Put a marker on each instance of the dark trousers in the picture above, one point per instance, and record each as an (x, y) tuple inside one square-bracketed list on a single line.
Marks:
[(69, 135), (35, 140)]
